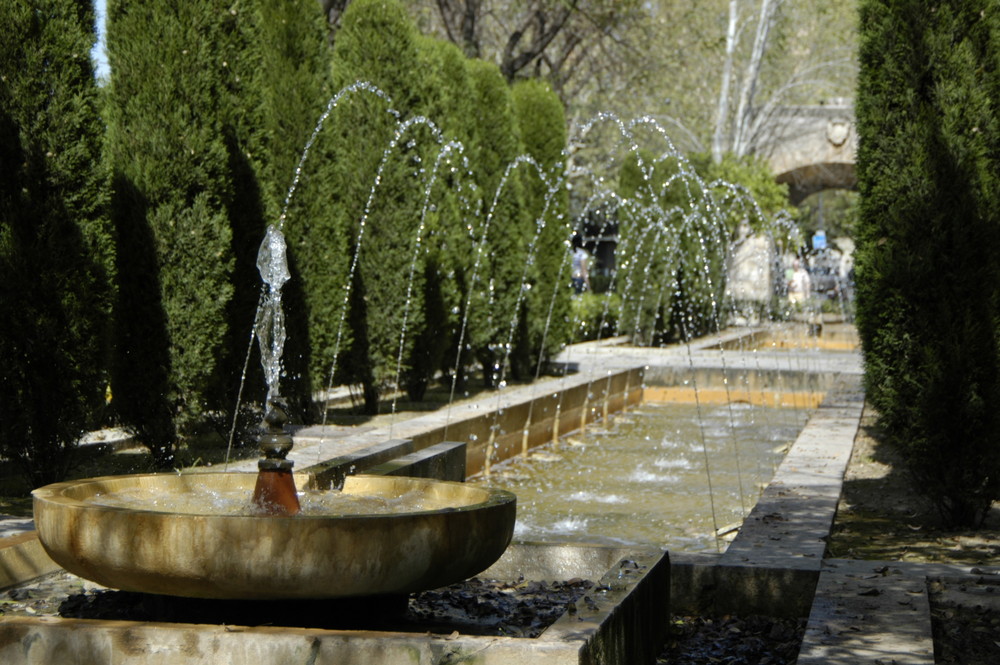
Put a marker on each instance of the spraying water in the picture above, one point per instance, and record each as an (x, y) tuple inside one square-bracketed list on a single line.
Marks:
[(272, 263), (670, 251)]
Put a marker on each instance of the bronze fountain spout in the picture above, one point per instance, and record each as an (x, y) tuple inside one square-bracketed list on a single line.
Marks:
[(274, 493)]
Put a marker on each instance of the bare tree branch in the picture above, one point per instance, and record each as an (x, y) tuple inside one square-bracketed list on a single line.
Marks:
[(447, 10), (545, 31), (470, 32), (722, 108), (333, 10), (745, 110), (764, 120)]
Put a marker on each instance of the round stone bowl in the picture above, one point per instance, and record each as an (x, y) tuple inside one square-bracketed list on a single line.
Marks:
[(457, 532)]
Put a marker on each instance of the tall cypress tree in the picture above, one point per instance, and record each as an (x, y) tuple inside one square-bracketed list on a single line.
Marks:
[(176, 71), (542, 126), (445, 99), (380, 209), (502, 242), (56, 246), (927, 269), (274, 115)]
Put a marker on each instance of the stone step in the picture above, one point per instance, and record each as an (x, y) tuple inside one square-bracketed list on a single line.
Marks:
[(868, 612)]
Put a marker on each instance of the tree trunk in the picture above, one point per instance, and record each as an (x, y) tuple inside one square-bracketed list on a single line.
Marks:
[(744, 112), (461, 24), (371, 397), (722, 110)]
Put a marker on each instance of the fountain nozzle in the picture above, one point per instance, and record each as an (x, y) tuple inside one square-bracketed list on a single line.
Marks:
[(275, 492)]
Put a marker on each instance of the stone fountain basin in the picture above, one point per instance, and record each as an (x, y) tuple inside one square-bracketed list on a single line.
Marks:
[(267, 557)]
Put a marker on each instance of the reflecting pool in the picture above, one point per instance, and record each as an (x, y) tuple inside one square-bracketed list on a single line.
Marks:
[(655, 476)]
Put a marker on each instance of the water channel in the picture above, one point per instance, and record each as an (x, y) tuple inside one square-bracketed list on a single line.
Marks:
[(643, 480)]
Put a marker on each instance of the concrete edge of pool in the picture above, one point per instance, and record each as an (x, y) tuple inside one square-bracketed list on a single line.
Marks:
[(626, 623), (775, 566)]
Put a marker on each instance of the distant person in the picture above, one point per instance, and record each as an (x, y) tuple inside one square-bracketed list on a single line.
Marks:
[(799, 285), (581, 267)]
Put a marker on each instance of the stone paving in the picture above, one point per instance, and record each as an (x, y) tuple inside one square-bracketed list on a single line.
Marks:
[(13, 526)]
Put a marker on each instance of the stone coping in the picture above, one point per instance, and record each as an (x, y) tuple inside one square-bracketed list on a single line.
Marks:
[(624, 622), (315, 444), (22, 558)]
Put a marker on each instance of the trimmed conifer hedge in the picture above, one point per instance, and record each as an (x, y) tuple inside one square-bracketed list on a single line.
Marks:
[(928, 271), (379, 183), (207, 111), (56, 245), (179, 191), (446, 99), (501, 234), (541, 124)]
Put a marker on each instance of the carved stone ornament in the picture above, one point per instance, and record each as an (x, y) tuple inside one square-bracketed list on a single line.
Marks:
[(837, 131)]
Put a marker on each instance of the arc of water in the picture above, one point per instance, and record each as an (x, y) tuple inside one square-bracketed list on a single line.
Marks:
[(705, 224), (732, 425), (363, 86), (592, 203), (556, 286), (332, 103), (725, 380), (479, 246), (650, 121), (745, 200), (698, 408), (401, 130), (417, 246), (529, 262), (778, 228), (626, 134), (716, 223), (661, 229), (704, 444), (606, 305), (243, 378), (602, 322), (749, 208), (688, 178)]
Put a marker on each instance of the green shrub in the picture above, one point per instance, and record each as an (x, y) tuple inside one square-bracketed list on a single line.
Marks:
[(928, 277), (542, 126), (595, 316), (56, 252), (672, 252), (377, 43), (502, 231), (447, 101), (677, 224), (177, 150)]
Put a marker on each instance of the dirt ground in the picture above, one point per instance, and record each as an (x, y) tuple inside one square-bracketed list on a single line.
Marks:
[(750, 640), (881, 516)]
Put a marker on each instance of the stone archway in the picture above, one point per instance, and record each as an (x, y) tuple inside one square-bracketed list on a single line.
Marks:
[(812, 148)]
